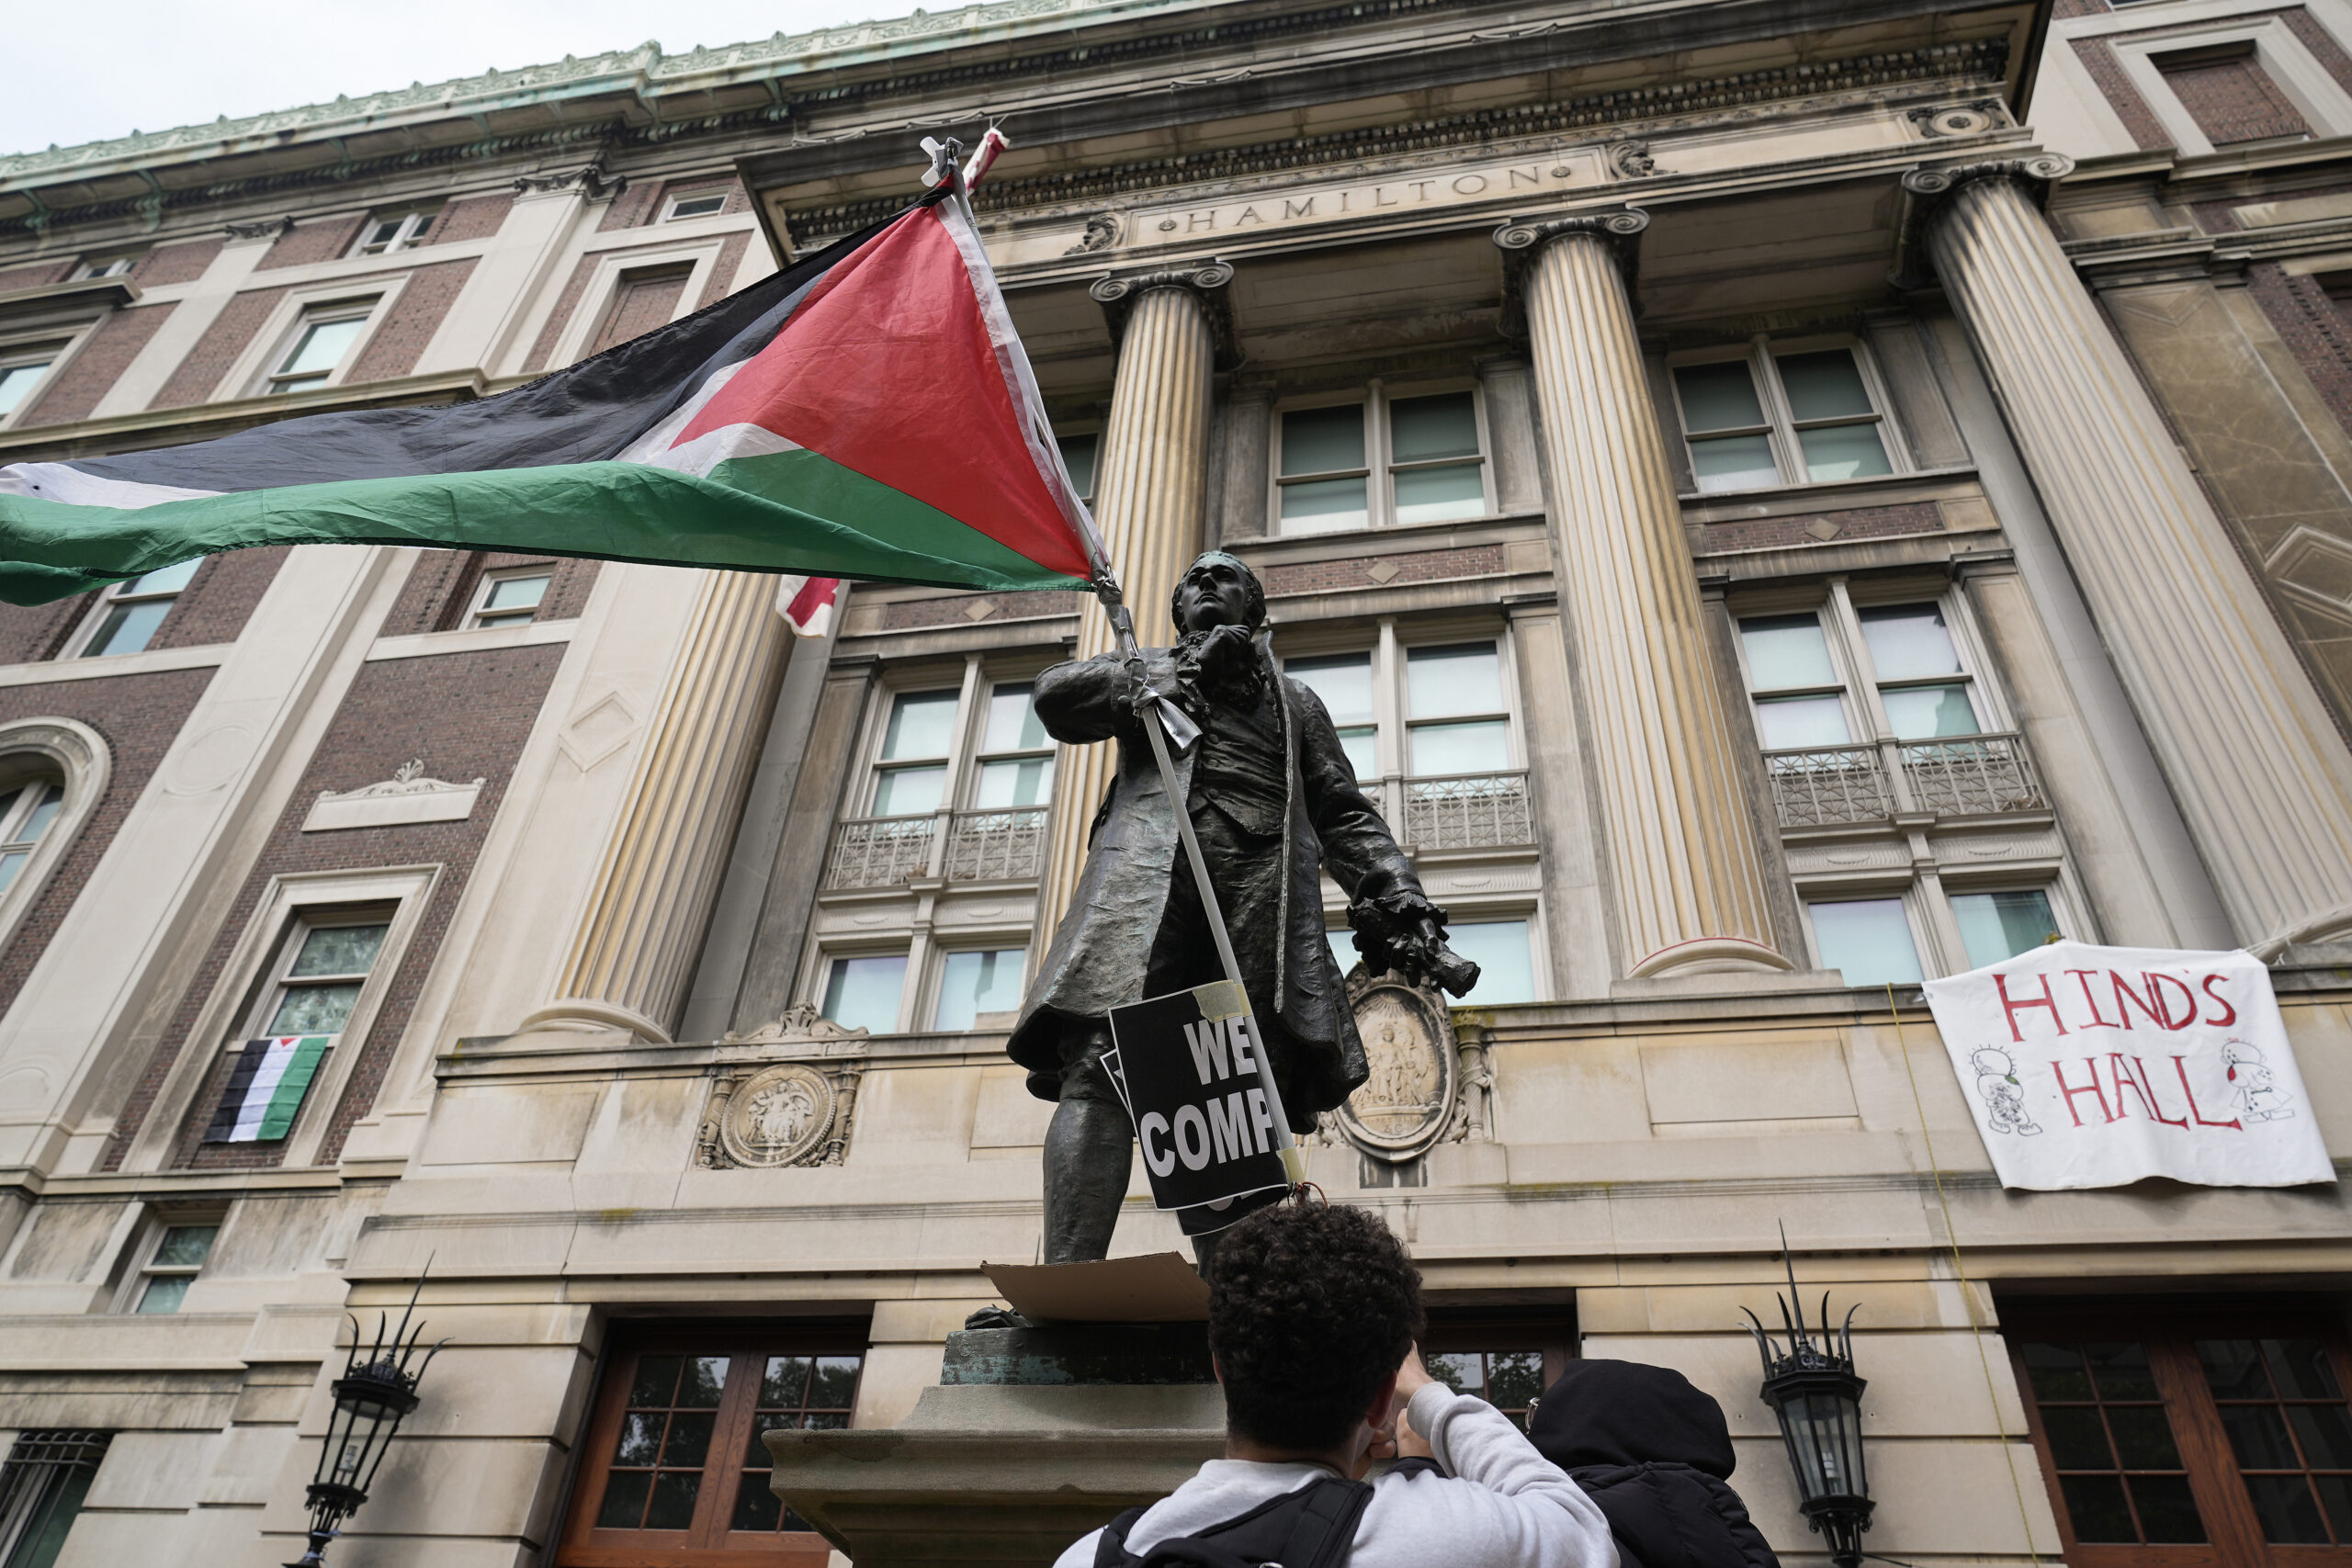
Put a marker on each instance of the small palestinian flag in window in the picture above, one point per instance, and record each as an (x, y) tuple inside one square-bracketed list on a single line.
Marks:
[(266, 1083)]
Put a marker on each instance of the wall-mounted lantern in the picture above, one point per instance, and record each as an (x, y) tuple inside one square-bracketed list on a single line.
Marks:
[(1812, 1389), (371, 1399)]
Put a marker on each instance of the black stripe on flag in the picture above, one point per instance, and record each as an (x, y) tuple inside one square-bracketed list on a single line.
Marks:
[(241, 1069)]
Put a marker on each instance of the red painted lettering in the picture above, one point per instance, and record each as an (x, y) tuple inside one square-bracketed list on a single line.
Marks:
[(2157, 984), (2121, 1070), (2181, 1068), (2156, 1107), (2082, 978), (2126, 998), (2229, 1014), (2091, 1088), (2012, 1005)]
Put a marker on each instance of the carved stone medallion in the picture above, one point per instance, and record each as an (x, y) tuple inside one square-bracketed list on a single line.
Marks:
[(778, 1116), (1408, 1101)]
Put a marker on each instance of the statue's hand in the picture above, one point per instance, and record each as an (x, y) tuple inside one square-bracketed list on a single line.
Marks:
[(1227, 652)]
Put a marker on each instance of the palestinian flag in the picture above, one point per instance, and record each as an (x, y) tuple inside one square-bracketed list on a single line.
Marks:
[(266, 1083), (867, 412)]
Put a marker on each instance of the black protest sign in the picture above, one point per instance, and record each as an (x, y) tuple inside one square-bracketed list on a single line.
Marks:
[(1188, 1067)]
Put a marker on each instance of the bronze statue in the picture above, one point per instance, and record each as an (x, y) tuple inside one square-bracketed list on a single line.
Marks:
[(1270, 796)]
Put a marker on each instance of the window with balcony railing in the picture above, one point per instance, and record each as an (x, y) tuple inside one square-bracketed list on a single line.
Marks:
[(958, 788)]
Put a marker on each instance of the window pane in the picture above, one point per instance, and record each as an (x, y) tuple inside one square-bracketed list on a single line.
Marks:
[(757, 1507), (59, 1504), (1996, 926), (11, 863), (974, 983), (2056, 1371), (1029, 781), (1867, 941), (1318, 441), (705, 1380), (127, 627), (1419, 429), (1786, 650), (1343, 943), (1436, 750), (1462, 678), (2077, 1438), (313, 1009), (1440, 495), (1734, 462), (516, 593), (1515, 1378), (834, 1386), (2258, 1437), (1077, 456), (2121, 1369), (1463, 1371), (1324, 506), (1784, 723), (323, 345), (696, 206), (2302, 1368), (165, 1292), (922, 724), (1908, 641), (1361, 745), (2143, 1437), (1843, 452), (1506, 968), (2325, 1433), (786, 1381), (863, 993), (16, 383), (689, 1439), (1823, 385), (1343, 681), (657, 1381), (185, 1246), (162, 580), (1013, 724), (623, 1505), (339, 950), (2167, 1512), (53, 801), (1718, 397), (2234, 1369), (2284, 1504), (1924, 713), (909, 792), (672, 1507)]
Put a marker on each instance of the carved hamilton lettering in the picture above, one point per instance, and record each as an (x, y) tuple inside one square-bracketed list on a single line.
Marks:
[(1454, 187)]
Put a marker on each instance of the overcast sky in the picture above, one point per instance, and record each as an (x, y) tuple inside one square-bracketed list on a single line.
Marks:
[(92, 70)]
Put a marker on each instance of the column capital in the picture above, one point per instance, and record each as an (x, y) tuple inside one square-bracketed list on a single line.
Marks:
[(1926, 188), (590, 180), (1523, 239), (1204, 279)]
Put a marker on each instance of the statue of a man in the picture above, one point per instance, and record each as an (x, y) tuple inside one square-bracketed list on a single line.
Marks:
[(1271, 797)]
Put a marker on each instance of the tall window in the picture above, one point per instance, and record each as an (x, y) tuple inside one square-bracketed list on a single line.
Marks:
[(396, 228), (22, 368), (27, 810), (2230, 96), (642, 300), (674, 1469), (1379, 461), (863, 992), (129, 614), (1449, 714), (48, 1473), (2190, 1438), (910, 772), (321, 342), (510, 598), (306, 998), (177, 1257), (1016, 759), (1782, 416), (978, 981)]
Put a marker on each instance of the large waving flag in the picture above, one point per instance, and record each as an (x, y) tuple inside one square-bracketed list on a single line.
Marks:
[(867, 412)]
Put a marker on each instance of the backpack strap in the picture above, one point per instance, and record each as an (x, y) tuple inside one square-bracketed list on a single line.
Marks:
[(1325, 1530), (1110, 1546)]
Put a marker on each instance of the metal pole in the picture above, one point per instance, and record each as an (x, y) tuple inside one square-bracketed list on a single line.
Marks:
[(1148, 715)]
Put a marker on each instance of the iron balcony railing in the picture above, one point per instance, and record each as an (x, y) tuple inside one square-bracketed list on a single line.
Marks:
[(1466, 811), (957, 846), (1961, 775)]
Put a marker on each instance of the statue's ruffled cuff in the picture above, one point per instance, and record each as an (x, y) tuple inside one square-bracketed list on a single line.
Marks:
[(1393, 912)]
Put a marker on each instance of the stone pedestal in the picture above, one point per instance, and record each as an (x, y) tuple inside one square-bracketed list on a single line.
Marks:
[(1033, 1437)]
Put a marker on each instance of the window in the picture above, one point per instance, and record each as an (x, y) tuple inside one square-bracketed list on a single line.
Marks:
[(398, 229), (307, 996), (1016, 761), (1383, 460), (46, 1475), (2233, 99), (2001, 925), (107, 267), (510, 598), (2190, 1438), (694, 204), (642, 300), (1507, 1361), (21, 370), (1783, 416), (129, 614), (172, 1268), (27, 811), (1903, 654), (1499, 949), (1454, 717), (912, 775), (973, 983), (862, 992), (1867, 940), (321, 345), (674, 1469), (1078, 452)]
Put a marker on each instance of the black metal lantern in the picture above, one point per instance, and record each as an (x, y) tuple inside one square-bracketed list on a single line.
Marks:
[(371, 1398), (1814, 1390)]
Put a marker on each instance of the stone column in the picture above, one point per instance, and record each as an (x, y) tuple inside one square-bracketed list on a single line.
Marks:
[(633, 951), (2263, 780), (1151, 490), (1686, 878)]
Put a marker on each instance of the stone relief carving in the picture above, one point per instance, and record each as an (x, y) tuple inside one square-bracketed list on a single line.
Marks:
[(265, 229), (407, 779), (407, 797), (768, 1115), (1629, 160), (1958, 119), (1426, 1086), (1102, 233), (591, 181)]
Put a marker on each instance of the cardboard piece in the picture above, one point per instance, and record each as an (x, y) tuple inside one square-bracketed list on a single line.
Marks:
[(1162, 1287)]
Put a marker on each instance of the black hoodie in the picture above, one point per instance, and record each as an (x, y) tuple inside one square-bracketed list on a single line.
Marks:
[(1655, 1455)]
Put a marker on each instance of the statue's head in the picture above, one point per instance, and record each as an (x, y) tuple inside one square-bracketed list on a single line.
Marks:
[(1217, 590)]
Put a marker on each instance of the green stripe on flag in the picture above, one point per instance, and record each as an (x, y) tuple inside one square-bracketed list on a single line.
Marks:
[(788, 512), (301, 1068)]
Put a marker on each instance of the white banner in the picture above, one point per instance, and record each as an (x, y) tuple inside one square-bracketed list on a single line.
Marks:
[(2096, 1067)]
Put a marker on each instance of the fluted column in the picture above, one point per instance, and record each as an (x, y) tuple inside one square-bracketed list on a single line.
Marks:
[(1684, 868), (1150, 490), (633, 953), (2261, 776)]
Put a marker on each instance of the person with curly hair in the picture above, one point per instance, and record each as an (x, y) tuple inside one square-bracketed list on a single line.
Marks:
[(1314, 1311)]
